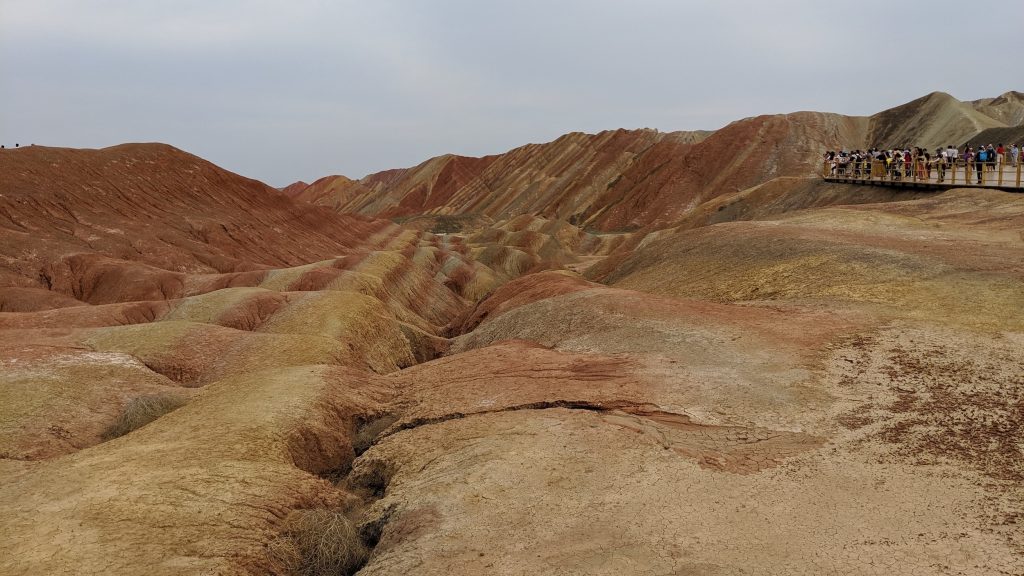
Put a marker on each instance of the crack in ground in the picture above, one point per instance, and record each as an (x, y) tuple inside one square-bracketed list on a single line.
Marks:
[(543, 405), (735, 449)]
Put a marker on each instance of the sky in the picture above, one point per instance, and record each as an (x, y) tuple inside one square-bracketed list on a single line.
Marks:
[(295, 90)]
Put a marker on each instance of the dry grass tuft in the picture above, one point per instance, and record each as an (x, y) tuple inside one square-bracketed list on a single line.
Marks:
[(143, 410), (320, 542), (367, 433), (369, 479)]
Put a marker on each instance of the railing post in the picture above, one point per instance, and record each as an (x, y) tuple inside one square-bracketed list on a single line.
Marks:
[(1019, 162), (999, 168)]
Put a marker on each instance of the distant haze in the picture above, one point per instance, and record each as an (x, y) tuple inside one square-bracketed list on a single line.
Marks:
[(283, 91)]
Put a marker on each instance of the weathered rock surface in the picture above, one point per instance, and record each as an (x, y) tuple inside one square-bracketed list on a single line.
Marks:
[(785, 378), (937, 119), (200, 491), (332, 191), (609, 181), (1008, 108), (629, 179), (796, 426)]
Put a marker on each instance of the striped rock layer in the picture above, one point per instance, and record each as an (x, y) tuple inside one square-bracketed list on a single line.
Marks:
[(783, 377)]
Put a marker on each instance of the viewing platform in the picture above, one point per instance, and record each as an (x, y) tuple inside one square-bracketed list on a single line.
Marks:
[(921, 176)]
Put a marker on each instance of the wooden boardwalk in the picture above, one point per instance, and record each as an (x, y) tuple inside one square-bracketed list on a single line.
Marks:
[(961, 177)]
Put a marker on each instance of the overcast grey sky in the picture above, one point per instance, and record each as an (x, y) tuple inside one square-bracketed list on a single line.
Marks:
[(288, 90)]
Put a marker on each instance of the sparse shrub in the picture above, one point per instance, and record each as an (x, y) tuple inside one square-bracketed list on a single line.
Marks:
[(366, 433), (369, 478), (318, 542), (448, 224), (141, 411)]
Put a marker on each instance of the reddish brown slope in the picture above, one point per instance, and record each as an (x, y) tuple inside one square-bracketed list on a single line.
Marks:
[(629, 179), (292, 190), (613, 180), (331, 191), (559, 179), (664, 185), (140, 211)]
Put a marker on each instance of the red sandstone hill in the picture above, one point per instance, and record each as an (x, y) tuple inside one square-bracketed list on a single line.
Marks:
[(292, 190), (626, 179), (140, 211), (613, 180), (332, 191)]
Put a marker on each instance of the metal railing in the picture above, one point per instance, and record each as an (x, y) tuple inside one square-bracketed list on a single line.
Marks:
[(919, 170)]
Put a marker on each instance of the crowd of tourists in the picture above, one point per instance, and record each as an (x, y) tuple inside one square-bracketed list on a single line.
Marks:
[(921, 164)]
